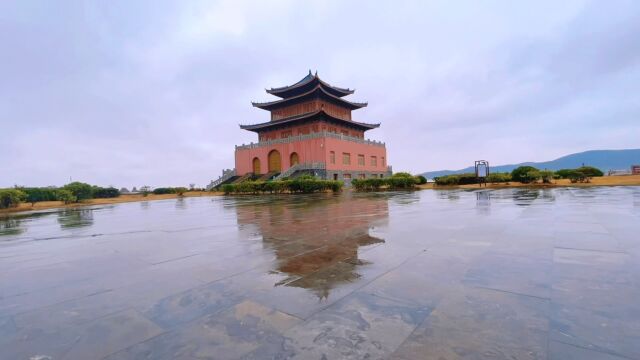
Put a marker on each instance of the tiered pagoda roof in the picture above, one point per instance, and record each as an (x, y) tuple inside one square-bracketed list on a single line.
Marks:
[(309, 88), (321, 114)]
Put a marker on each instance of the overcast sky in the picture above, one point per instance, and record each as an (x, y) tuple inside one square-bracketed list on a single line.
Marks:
[(130, 93)]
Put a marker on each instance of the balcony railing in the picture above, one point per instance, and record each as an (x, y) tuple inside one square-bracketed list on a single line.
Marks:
[(316, 135)]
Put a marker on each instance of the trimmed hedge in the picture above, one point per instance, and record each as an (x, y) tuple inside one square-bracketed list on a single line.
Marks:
[(101, 193), (396, 182), (170, 190), (301, 185), (456, 179)]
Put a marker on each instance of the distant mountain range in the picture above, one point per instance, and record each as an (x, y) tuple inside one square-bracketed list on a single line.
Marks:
[(604, 160)]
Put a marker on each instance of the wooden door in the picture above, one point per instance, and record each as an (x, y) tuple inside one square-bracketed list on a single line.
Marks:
[(256, 166), (274, 161)]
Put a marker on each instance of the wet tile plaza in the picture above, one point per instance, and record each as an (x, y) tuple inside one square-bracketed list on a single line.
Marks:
[(501, 274)]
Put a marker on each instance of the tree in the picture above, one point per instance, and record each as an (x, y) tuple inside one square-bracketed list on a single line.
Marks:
[(11, 198), (520, 173), (66, 196), (80, 190), (530, 176), (590, 171)]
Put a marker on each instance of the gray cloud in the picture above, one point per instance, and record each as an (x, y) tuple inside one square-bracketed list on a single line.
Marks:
[(152, 93)]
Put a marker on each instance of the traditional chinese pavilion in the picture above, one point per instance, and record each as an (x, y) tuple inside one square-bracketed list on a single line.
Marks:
[(311, 131)]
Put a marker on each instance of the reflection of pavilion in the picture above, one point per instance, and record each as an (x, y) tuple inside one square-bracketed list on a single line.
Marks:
[(316, 241)]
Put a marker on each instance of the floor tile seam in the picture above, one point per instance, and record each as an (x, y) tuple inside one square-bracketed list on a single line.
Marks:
[(591, 250), (512, 293), (59, 302), (171, 260), (361, 286), (597, 349)]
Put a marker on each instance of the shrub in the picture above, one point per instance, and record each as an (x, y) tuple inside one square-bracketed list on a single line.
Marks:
[(402, 175), (180, 190), (304, 184), (10, 198), (447, 180), (101, 193), (498, 177), (66, 196), (164, 190), (456, 179), (547, 176), (80, 190), (421, 180), (521, 174), (400, 182), (372, 184)]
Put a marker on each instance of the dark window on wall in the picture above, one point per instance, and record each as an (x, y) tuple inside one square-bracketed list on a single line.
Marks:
[(346, 159), (374, 161), (360, 159), (332, 157), (383, 162)]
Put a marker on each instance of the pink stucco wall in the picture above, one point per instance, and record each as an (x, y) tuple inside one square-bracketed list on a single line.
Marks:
[(314, 150), (355, 149)]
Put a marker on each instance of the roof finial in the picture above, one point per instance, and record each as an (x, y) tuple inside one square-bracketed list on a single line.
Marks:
[(316, 73), (309, 71)]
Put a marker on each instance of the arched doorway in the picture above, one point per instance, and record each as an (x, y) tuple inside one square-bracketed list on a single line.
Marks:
[(274, 161), (256, 165), (293, 159)]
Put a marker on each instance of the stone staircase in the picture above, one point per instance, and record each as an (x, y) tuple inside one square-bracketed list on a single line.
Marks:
[(226, 175), (245, 177), (298, 167), (268, 176)]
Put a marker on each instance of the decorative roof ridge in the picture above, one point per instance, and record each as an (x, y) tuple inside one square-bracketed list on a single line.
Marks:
[(315, 88), (305, 80)]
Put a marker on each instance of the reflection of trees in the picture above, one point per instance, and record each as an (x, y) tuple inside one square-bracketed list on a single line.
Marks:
[(73, 218), (316, 240), (10, 226), (181, 203), (452, 195), (525, 197)]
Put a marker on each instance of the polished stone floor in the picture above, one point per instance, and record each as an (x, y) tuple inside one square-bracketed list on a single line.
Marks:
[(503, 274)]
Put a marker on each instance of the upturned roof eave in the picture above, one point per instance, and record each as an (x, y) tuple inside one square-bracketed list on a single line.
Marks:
[(271, 104), (281, 91), (266, 125)]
